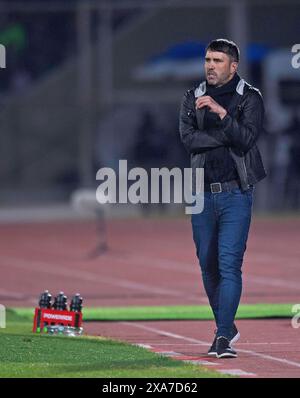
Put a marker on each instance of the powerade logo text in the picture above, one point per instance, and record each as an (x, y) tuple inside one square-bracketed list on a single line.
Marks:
[(58, 317)]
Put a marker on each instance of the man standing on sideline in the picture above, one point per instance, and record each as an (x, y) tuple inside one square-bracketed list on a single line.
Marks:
[(220, 122)]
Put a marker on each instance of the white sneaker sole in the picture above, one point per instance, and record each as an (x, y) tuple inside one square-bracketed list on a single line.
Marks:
[(227, 355), (212, 354)]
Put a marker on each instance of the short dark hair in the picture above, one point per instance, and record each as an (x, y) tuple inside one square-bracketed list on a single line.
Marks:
[(225, 46)]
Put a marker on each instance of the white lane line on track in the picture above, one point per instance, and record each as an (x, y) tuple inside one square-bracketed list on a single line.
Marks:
[(11, 294), (188, 268), (193, 269), (50, 268), (260, 280), (274, 261), (192, 340), (205, 344), (165, 333)]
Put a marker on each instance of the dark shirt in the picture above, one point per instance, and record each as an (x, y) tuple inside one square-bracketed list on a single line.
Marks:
[(219, 165)]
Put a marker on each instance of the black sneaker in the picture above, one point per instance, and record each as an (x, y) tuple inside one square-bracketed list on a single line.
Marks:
[(223, 348), (212, 352)]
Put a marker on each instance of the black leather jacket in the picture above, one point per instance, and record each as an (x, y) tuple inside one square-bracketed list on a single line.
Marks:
[(238, 131)]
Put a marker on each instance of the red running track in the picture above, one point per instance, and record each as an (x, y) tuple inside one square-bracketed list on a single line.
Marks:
[(266, 349), (148, 262)]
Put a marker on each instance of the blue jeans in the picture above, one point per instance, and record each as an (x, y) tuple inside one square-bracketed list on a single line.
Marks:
[(220, 234)]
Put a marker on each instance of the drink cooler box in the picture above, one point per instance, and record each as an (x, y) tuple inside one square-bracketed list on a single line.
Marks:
[(48, 317)]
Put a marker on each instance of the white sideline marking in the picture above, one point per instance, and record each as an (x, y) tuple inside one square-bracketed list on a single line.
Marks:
[(167, 353), (200, 362), (148, 346), (192, 340), (236, 372), (173, 354)]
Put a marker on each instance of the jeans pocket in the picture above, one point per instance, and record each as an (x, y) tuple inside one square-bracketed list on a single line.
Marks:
[(236, 191), (247, 195)]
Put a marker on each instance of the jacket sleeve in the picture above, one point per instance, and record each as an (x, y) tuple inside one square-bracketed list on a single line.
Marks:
[(244, 132), (193, 139)]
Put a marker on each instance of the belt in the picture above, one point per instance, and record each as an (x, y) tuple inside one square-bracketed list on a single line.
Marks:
[(218, 187)]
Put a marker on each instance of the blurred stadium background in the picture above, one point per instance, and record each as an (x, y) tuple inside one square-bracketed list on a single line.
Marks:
[(88, 83)]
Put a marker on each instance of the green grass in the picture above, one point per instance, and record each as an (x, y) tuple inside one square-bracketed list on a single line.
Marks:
[(203, 312), (25, 354)]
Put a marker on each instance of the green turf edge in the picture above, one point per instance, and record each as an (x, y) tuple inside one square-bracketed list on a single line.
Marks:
[(182, 312), (28, 355), (107, 359)]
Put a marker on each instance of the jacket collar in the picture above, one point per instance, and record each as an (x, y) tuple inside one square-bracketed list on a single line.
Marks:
[(201, 89)]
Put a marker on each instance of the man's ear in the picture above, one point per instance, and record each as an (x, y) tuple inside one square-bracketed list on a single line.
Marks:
[(233, 67)]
